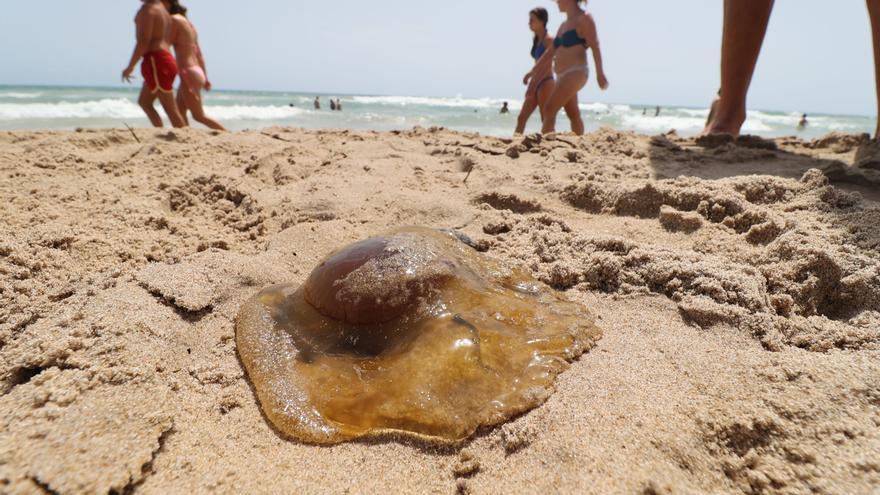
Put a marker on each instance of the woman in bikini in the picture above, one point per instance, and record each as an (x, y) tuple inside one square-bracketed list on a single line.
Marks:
[(193, 75), (540, 79), (576, 35)]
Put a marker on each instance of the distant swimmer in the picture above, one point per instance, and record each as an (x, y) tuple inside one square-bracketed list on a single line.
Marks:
[(657, 112), (338, 104), (504, 108), (158, 68), (317, 103), (539, 80), (576, 35), (193, 73), (332, 104), (803, 123), (645, 111)]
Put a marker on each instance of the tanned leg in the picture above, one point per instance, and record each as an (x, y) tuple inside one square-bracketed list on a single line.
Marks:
[(566, 89), (181, 103), (528, 108), (194, 103), (574, 116), (170, 105), (146, 100), (745, 24), (544, 96), (874, 11)]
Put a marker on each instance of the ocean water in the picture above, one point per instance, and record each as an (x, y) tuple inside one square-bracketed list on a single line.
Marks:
[(31, 108)]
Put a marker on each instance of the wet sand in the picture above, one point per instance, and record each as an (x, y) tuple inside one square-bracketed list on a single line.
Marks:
[(738, 291)]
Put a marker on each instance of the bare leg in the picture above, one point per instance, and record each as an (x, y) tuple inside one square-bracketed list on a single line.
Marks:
[(566, 89), (745, 24), (146, 100), (181, 103), (874, 11), (528, 108), (544, 96), (574, 116), (194, 103), (170, 106), (713, 109)]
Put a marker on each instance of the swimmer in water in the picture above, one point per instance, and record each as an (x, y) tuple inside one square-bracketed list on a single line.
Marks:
[(539, 80), (576, 35), (317, 103), (803, 123)]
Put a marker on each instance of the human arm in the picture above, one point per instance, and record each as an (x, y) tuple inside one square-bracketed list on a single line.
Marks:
[(144, 27), (587, 30), (200, 57), (545, 63)]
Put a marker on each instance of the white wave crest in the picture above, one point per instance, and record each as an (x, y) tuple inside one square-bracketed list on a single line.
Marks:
[(651, 124), (19, 96), (126, 109), (248, 112), (106, 108), (403, 101)]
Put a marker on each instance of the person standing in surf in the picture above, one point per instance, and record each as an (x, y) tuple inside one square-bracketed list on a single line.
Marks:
[(576, 35), (539, 80), (193, 74), (159, 69)]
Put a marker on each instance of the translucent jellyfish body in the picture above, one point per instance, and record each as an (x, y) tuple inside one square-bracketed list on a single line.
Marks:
[(411, 332)]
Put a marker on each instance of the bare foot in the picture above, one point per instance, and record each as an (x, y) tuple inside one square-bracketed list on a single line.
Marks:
[(727, 124)]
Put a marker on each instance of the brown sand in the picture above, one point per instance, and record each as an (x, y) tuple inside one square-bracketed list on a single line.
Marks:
[(741, 312)]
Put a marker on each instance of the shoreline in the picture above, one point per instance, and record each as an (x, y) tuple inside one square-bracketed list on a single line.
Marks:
[(68, 109), (741, 312)]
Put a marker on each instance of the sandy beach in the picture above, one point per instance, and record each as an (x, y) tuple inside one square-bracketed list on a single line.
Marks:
[(738, 289)]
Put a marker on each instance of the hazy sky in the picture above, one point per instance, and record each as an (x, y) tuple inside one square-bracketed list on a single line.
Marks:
[(817, 57)]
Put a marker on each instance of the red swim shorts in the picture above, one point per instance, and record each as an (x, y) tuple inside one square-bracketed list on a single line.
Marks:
[(159, 70)]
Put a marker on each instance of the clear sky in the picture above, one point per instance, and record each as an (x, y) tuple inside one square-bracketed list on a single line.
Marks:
[(817, 57)]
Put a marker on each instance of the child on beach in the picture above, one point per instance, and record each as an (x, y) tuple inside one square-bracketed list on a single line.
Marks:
[(193, 74), (576, 35)]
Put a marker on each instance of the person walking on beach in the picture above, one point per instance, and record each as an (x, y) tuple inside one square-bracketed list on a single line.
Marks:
[(745, 24), (577, 34), (193, 73), (159, 69), (539, 80)]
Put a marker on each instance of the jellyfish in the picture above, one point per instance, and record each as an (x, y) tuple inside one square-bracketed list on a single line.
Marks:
[(410, 333)]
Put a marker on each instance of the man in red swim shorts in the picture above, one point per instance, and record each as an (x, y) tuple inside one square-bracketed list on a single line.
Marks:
[(158, 67)]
